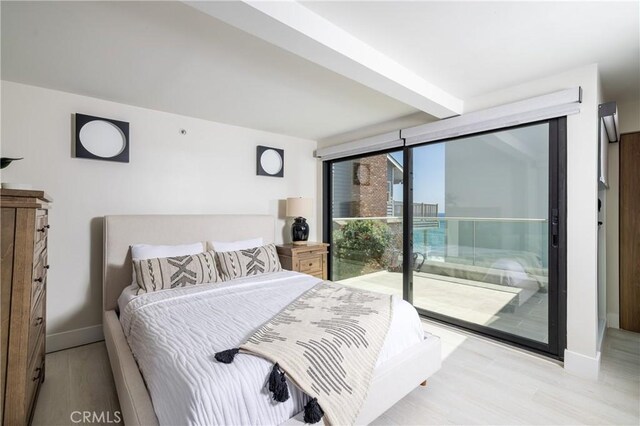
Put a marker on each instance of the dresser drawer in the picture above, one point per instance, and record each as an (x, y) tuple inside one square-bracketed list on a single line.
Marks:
[(42, 218), (35, 376), (39, 282), (310, 264), (36, 325), (39, 250), (40, 237), (40, 265), (40, 253), (42, 225)]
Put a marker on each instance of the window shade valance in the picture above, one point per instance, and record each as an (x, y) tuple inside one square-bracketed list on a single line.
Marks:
[(361, 146), (557, 104)]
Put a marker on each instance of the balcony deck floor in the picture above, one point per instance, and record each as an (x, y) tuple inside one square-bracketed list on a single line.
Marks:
[(485, 304)]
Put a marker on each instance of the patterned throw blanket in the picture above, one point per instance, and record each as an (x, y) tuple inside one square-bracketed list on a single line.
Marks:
[(327, 343)]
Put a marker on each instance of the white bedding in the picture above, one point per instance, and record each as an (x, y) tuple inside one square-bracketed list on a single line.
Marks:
[(174, 334)]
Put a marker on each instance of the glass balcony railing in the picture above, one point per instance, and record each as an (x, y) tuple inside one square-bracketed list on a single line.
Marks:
[(469, 248)]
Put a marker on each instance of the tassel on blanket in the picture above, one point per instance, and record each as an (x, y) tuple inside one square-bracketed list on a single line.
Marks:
[(226, 357), (312, 411), (278, 384)]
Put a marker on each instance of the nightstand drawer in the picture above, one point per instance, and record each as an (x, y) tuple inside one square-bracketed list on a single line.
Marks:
[(309, 258), (310, 265)]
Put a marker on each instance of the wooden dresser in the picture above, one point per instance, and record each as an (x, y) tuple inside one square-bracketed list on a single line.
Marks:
[(23, 300), (310, 258)]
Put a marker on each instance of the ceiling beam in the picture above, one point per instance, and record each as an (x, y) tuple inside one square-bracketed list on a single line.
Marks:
[(291, 26)]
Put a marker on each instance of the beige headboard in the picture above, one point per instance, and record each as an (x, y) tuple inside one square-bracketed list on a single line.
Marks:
[(120, 232)]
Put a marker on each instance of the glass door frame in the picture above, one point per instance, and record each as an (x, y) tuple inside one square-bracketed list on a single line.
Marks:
[(557, 238), (327, 216)]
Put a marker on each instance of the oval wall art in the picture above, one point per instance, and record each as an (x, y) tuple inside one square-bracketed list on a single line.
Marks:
[(101, 138), (270, 161)]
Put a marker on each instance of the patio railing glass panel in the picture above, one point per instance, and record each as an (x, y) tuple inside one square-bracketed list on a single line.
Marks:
[(486, 271)]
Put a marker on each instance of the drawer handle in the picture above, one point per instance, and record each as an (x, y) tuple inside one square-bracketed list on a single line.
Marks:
[(38, 280), (311, 264), (46, 266), (39, 320), (38, 372), (44, 228)]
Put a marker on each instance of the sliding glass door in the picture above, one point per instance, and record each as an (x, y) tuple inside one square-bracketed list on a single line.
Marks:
[(366, 222), (475, 238), (481, 231)]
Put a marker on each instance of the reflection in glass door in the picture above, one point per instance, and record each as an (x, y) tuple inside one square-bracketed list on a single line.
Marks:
[(481, 232)]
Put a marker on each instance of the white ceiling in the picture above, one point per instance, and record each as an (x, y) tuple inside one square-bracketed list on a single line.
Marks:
[(470, 48), (170, 57)]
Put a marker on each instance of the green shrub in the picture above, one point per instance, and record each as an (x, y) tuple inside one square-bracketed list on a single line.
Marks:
[(362, 239)]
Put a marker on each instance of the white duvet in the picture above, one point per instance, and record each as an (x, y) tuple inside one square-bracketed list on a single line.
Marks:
[(174, 335)]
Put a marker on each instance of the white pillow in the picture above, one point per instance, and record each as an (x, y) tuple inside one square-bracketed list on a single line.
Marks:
[(150, 251), (222, 247)]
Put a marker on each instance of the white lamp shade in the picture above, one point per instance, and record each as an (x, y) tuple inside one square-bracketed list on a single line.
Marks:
[(299, 207)]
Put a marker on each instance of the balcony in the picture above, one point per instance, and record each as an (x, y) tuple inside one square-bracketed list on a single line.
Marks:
[(487, 271)]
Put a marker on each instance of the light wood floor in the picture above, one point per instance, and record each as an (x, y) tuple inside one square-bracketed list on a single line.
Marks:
[(481, 382)]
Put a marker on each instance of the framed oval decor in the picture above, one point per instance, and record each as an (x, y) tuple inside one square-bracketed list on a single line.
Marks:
[(100, 138), (269, 161)]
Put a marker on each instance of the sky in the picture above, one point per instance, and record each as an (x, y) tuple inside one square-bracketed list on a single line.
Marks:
[(428, 175)]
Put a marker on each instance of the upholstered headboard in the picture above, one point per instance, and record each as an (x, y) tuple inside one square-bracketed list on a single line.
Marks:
[(120, 232)]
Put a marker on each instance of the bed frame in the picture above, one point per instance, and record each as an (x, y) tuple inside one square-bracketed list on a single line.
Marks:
[(396, 378)]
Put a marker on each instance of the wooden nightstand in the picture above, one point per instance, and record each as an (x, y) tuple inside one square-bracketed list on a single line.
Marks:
[(309, 259)]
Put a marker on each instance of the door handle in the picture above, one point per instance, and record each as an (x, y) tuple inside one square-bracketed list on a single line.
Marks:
[(555, 220)]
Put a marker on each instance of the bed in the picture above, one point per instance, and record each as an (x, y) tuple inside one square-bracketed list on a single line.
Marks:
[(402, 365)]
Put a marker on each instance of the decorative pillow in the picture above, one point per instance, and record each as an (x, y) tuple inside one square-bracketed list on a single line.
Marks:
[(152, 251), (220, 246), (171, 272), (252, 261)]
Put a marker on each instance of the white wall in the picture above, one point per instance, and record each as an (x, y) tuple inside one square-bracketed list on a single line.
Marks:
[(581, 355), (210, 170), (629, 121)]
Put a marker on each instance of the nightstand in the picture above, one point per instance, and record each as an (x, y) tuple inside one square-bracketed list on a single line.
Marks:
[(309, 259)]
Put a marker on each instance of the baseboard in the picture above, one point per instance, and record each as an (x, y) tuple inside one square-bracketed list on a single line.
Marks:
[(78, 337), (613, 320), (581, 365)]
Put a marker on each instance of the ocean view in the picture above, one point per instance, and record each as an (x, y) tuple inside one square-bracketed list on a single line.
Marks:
[(431, 240)]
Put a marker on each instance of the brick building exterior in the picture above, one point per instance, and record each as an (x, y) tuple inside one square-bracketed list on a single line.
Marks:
[(371, 194), (364, 187)]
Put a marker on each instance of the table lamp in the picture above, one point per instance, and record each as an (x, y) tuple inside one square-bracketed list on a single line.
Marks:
[(299, 208)]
